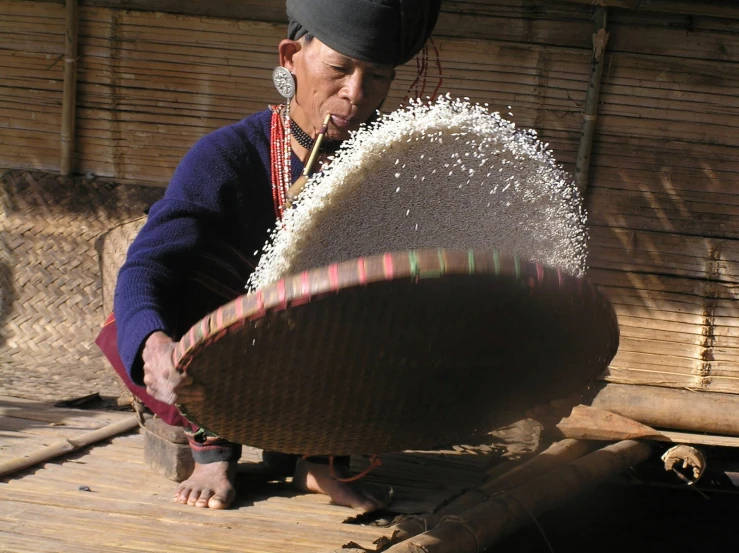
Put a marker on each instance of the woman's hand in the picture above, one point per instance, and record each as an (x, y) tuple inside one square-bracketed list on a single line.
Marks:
[(162, 380)]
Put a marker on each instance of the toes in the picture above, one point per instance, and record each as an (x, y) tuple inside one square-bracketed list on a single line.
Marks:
[(195, 495), (203, 499), (361, 504), (368, 501), (182, 494), (218, 501), (209, 486), (381, 498), (369, 498), (368, 505)]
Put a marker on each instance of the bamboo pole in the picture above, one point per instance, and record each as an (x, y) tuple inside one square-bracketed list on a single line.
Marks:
[(671, 408), (600, 38), (70, 89), (485, 525), (67, 446), (557, 455), (297, 187)]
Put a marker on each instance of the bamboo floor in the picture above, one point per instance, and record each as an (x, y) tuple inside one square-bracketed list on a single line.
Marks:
[(104, 498)]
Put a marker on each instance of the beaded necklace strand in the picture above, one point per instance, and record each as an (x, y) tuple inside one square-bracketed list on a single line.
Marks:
[(302, 137), (280, 157), (282, 127)]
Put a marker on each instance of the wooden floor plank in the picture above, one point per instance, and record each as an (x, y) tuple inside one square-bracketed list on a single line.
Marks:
[(213, 532), (11, 541)]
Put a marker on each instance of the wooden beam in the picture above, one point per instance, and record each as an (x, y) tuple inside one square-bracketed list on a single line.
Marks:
[(253, 10), (697, 439), (711, 8), (257, 10), (70, 89), (590, 423), (590, 114), (670, 408)]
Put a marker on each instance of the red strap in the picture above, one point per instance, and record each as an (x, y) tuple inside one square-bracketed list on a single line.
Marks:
[(374, 463)]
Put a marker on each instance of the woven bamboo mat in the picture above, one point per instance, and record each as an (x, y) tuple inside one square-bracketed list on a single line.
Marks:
[(130, 508), (51, 301)]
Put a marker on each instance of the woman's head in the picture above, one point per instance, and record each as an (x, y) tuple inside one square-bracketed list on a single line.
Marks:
[(330, 82), (343, 54)]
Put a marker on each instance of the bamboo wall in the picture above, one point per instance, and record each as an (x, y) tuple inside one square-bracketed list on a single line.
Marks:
[(31, 83), (663, 200), (151, 83)]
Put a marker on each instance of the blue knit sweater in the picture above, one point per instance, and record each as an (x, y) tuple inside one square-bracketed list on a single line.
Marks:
[(220, 192)]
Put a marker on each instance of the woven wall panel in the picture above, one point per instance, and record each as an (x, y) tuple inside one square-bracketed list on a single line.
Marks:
[(50, 281), (113, 246)]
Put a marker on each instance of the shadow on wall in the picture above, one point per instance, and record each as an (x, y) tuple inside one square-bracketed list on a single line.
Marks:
[(665, 246), (7, 295), (88, 202)]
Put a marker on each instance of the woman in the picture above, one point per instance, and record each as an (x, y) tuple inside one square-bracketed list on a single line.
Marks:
[(196, 249)]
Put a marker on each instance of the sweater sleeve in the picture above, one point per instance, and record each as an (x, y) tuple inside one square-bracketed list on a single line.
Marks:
[(191, 212)]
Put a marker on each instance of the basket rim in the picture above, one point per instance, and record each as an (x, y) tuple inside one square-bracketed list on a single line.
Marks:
[(298, 289)]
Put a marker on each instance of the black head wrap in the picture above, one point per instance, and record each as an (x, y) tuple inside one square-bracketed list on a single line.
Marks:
[(389, 32)]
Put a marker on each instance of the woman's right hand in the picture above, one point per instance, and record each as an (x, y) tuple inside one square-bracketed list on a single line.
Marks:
[(163, 381)]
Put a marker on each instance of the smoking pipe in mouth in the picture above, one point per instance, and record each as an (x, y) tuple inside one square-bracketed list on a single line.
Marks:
[(297, 187)]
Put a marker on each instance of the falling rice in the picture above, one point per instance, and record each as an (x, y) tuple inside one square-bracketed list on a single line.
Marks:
[(448, 174)]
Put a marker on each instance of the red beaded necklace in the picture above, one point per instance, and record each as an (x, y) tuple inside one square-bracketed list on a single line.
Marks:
[(281, 158)]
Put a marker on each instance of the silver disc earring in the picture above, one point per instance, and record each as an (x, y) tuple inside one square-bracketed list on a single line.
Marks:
[(284, 82)]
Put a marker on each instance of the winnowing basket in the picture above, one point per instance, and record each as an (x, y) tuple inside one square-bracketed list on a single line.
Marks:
[(426, 288)]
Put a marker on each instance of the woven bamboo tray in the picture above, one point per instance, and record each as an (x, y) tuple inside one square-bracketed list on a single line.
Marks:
[(393, 352)]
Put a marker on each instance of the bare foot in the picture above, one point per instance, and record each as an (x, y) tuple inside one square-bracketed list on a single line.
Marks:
[(210, 485), (316, 478)]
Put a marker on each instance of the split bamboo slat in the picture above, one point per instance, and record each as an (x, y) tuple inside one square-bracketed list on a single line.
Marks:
[(677, 332), (150, 84), (218, 68), (716, 8), (32, 70), (269, 10)]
